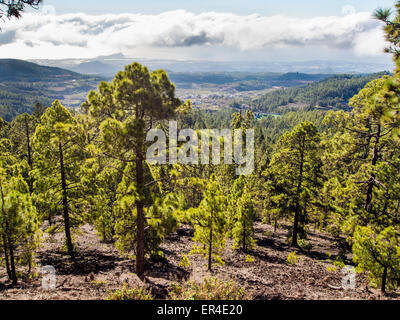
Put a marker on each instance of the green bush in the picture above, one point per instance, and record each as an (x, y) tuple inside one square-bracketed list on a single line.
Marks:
[(305, 245), (210, 289), (292, 258), (125, 294)]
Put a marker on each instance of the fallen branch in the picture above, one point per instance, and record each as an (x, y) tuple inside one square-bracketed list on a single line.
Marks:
[(334, 288), (62, 284)]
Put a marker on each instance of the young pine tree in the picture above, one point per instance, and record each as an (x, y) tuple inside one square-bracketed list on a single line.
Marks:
[(243, 230), (100, 181), (210, 224), (379, 254), (241, 215), (19, 226)]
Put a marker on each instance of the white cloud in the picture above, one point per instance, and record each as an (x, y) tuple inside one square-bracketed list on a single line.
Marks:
[(39, 35), (370, 43)]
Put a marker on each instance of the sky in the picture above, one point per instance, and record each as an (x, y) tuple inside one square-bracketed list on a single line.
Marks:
[(299, 8), (237, 30)]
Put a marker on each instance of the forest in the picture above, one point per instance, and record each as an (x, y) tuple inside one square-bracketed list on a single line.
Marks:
[(319, 218), (244, 81), (331, 93)]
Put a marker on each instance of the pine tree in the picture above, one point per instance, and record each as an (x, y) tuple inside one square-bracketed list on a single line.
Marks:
[(4, 128), (19, 226), (293, 176), (361, 160), (210, 224), (21, 132), (16, 7), (243, 230), (379, 254), (159, 210), (235, 195), (127, 108), (58, 144)]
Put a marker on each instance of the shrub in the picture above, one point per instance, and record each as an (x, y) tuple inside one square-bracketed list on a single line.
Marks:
[(305, 245), (130, 294), (185, 262), (292, 258), (339, 263), (210, 289), (331, 268)]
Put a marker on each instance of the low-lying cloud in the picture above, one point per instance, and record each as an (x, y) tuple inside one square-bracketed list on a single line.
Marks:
[(39, 35)]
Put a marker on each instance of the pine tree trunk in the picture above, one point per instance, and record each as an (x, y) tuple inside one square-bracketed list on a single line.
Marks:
[(6, 237), (374, 161), (140, 216), (30, 161), (298, 208), (296, 227), (210, 245), (384, 279), (6, 258), (244, 236), (12, 263), (29, 267), (113, 218), (67, 225)]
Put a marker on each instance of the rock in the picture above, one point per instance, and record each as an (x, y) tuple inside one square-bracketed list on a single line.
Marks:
[(160, 282), (131, 280), (12, 291)]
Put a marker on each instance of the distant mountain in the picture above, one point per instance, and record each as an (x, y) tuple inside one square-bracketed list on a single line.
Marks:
[(93, 68), (20, 70), (110, 65), (23, 84)]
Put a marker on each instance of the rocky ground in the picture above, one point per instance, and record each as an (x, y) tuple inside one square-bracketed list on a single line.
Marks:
[(267, 275)]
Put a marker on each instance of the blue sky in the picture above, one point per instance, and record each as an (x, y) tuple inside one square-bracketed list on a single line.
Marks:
[(283, 30), (301, 8)]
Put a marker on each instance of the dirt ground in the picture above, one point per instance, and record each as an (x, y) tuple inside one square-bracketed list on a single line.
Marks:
[(99, 269)]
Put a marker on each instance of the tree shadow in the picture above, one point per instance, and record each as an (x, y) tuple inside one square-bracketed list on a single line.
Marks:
[(167, 271), (266, 258), (315, 255), (184, 232), (271, 243), (85, 262)]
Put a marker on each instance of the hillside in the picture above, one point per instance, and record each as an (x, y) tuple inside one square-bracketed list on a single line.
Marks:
[(100, 270), (20, 70), (22, 84), (333, 92), (243, 81)]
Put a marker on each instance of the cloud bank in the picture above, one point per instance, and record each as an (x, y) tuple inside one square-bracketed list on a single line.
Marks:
[(46, 35)]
